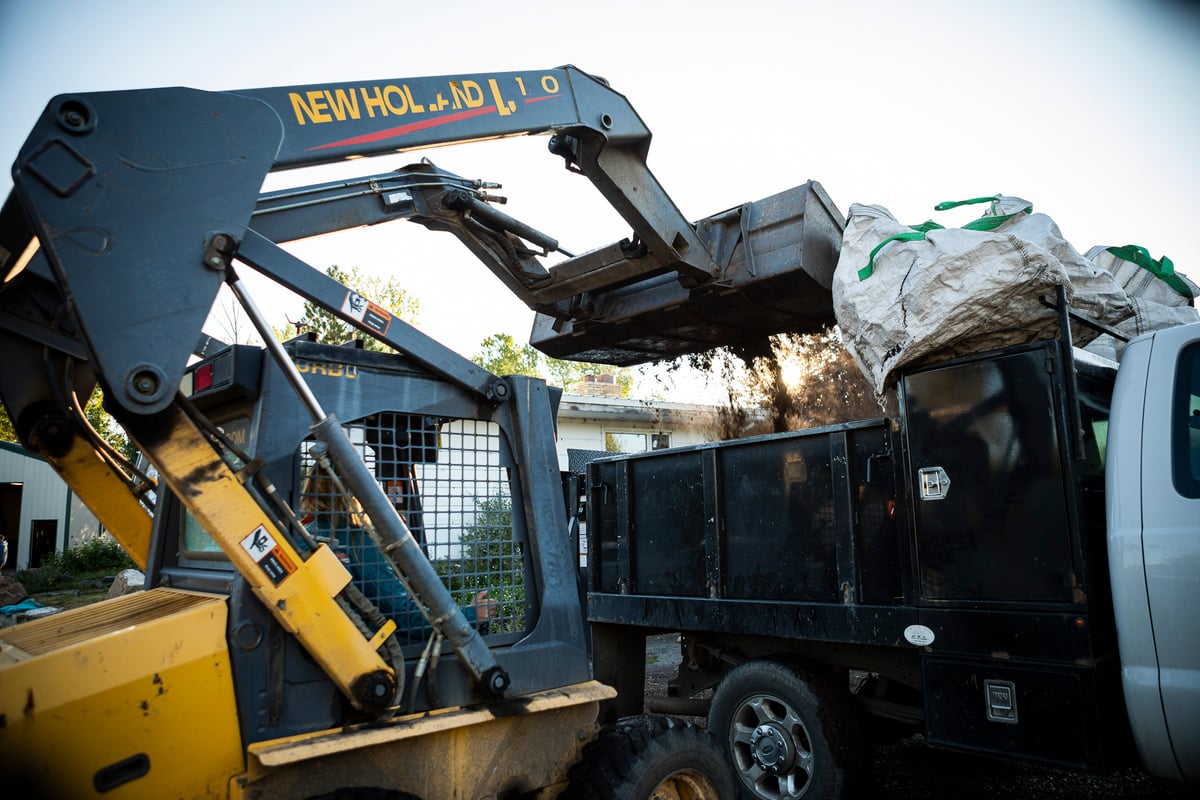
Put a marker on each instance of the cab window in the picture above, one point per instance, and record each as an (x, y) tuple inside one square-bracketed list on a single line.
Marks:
[(1185, 442)]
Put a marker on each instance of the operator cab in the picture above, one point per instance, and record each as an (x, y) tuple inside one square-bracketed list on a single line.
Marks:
[(449, 476)]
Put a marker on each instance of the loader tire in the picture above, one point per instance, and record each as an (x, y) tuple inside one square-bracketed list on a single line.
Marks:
[(651, 758), (787, 734)]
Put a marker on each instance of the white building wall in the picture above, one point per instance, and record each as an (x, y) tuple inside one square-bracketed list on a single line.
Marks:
[(584, 421), (43, 496), (83, 526)]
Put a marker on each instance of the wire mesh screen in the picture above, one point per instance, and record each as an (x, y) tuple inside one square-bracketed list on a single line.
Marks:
[(449, 481)]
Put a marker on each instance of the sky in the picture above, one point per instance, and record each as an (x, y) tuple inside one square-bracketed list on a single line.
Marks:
[(1090, 109)]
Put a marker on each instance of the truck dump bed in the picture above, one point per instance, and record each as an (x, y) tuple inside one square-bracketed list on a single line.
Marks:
[(963, 535)]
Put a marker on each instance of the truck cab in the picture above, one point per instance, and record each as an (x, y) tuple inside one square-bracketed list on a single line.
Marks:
[(1153, 496)]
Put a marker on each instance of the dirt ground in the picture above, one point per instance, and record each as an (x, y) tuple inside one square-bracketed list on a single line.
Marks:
[(908, 770)]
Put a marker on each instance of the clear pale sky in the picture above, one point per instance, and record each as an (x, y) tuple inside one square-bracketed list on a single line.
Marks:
[(1088, 108)]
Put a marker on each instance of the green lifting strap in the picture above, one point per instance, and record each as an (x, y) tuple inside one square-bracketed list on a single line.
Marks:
[(1163, 269), (866, 271), (987, 223)]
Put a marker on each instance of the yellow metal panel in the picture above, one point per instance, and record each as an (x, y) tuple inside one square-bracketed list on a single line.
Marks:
[(108, 495), (102, 694), (296, 749), (521, 746), (299, 594)]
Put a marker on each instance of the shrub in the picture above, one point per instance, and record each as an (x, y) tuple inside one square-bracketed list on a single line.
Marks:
[(47, 578), (94, 555), (94, 558)]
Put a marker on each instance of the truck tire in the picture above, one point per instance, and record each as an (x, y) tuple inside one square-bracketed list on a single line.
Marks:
[(651, 758), (786, 736)]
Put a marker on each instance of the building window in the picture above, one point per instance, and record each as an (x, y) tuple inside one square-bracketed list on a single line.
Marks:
[(635, 441)]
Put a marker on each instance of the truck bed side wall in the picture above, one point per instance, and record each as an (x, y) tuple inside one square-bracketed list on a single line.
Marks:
[(822, 543)]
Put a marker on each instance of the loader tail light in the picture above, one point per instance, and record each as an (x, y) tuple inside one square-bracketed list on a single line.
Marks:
[(203, 378), (231, 375)]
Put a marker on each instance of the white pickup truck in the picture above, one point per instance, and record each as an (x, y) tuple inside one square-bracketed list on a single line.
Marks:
[(1153, 491)]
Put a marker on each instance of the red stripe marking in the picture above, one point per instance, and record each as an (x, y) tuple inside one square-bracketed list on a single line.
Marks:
[(420, 125)]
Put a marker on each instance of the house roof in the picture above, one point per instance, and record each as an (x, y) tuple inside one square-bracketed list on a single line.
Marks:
[(625, 410), (13, 447)]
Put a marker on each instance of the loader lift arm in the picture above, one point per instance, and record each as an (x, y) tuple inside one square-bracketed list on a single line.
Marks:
[(129, 209)]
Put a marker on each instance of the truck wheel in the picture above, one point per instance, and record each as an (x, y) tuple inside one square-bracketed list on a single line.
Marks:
[(651, 758), (787, 737)]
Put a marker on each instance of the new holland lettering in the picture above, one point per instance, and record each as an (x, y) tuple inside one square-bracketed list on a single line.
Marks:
[(341, 104), (318, 106)]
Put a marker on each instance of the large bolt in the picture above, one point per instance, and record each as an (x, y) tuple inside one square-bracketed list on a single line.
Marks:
[(499, 391), (375, 690), (76, 117), (220, 250), (53, 435), (145, 383), (495, 681)]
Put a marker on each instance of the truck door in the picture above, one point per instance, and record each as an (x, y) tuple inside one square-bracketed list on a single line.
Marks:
[(1154, 545)]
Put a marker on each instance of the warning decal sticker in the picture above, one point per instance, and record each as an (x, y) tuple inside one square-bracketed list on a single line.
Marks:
[(375, 317), (267, 553)]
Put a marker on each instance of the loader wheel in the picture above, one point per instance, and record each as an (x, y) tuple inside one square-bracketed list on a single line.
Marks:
[(787, 737), (651, 758)]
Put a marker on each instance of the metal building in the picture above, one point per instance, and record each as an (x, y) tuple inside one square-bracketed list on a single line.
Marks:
[(39, 515)]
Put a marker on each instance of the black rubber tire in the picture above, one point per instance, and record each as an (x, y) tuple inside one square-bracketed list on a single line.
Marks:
[(651, 757), (787, 735)]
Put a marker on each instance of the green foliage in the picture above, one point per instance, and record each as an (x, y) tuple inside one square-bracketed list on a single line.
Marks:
[(7, 432), (107, 427), (96, 558), (47, 578), (569, 373), (501, 355), (385, 292), (490, 560), (95, 555), (96, 416)]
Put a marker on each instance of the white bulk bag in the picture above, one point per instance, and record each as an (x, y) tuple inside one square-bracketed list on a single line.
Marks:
[(1160, 297), (905, 295)]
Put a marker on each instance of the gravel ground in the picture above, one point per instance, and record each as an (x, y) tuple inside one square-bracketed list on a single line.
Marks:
[(908, 770)]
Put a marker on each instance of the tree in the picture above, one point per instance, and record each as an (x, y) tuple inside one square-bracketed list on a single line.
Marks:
[(501, 355), (96, 416), (570, 373), (790, 382), (491, 560), (7, 432), (231, 319), (385, 292)]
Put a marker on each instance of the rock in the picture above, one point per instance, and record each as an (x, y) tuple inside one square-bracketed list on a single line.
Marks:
[(36, 613), (127, 581), (11, 591)]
